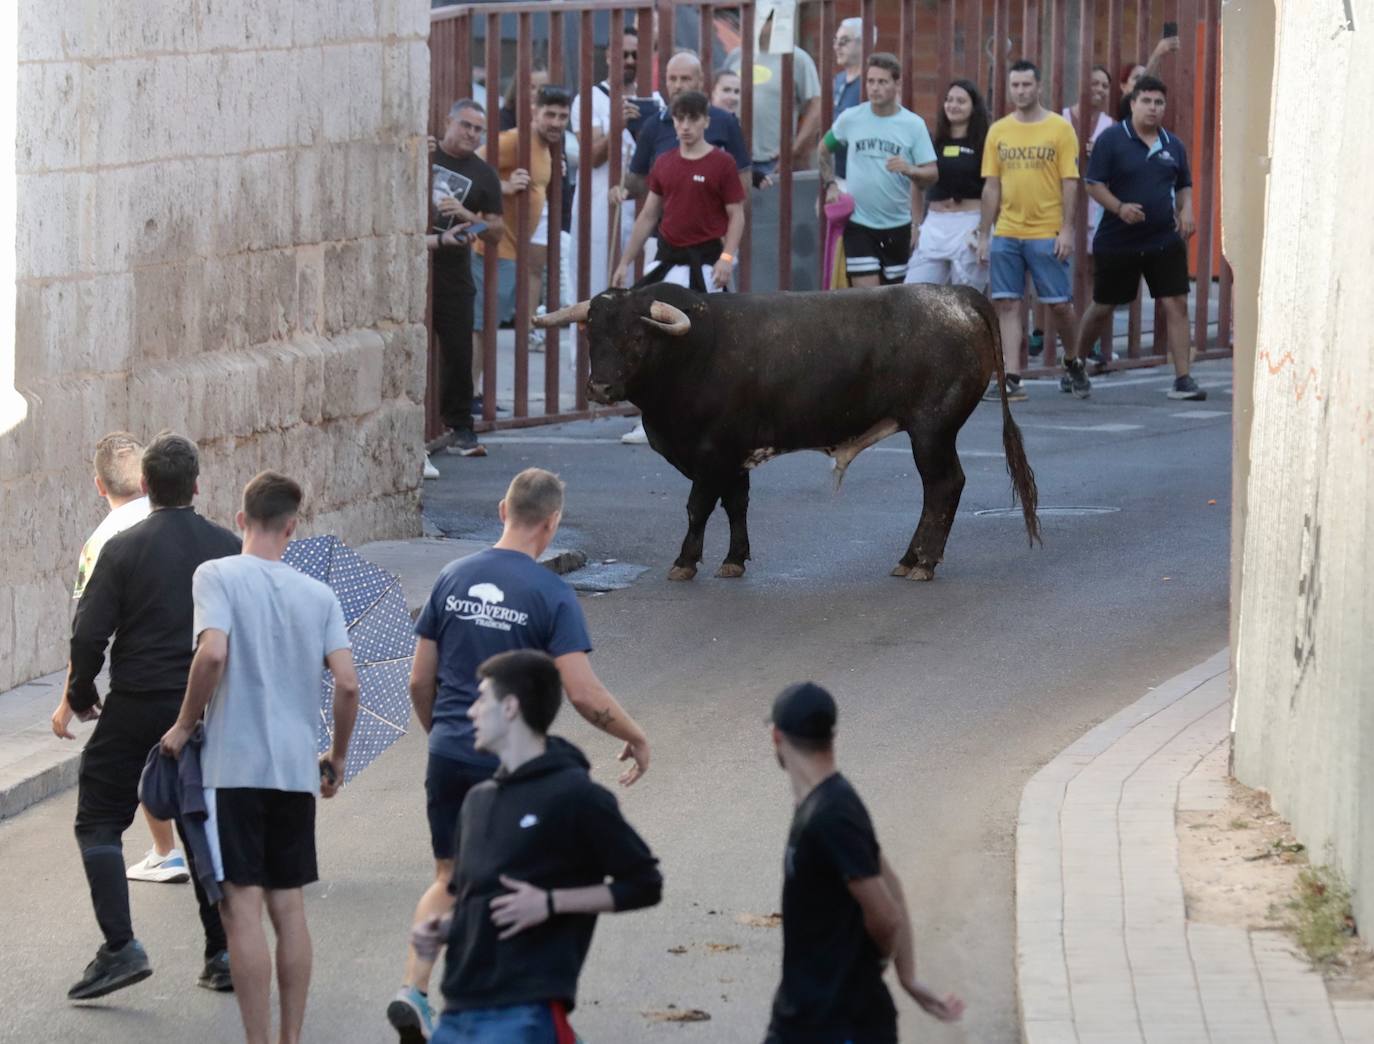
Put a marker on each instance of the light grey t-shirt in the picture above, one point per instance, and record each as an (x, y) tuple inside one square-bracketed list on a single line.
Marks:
[(262, 724), (806, 84)]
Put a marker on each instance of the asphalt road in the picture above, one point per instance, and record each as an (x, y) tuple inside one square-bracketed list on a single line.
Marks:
[(951, 694)]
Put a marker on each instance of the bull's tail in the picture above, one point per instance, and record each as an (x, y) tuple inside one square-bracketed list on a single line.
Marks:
[(1022, 477)]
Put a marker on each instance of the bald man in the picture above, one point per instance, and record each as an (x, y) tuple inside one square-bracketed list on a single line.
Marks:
[(657, 136)]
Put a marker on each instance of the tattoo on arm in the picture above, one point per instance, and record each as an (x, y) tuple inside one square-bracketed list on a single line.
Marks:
[(601, 718), (826, 163)]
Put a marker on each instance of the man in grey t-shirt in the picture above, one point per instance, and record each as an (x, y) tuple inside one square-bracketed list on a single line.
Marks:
[(806, 104), (263, 633)]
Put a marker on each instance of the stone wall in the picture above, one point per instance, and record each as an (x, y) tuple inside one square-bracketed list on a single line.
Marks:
[(219, 219), (1303, 624)]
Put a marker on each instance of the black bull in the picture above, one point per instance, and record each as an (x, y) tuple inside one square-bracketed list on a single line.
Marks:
[(727, 381)]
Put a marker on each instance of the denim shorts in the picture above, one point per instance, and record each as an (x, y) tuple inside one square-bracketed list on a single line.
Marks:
[(505, 289), (1010, 258), (514, 1024)]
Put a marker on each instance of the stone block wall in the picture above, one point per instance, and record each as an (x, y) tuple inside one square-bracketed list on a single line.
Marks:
[(219, 227)]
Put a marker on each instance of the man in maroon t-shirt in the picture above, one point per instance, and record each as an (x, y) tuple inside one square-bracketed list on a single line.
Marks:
[(697, 201)]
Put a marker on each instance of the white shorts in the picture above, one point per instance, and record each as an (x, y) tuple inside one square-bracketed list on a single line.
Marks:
[(947, 252)]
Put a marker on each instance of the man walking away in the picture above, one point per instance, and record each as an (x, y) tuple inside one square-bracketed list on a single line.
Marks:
[(466, 192), (264, 633), (140, 593), (1030, 188), (1139, 173), (890, 159), (494, 601), (118, 479), (843, 911), (698, 193), (537, 844)]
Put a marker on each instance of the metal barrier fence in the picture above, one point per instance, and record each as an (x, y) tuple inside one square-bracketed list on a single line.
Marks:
[(936, 43)]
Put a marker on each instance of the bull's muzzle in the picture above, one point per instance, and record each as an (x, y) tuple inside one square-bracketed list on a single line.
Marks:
[(599, 393)]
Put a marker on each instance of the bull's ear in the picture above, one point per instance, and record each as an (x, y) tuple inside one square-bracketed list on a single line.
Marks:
[(672, 321)]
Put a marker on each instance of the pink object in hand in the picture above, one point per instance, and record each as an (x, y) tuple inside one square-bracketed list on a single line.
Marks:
[(836, 217)]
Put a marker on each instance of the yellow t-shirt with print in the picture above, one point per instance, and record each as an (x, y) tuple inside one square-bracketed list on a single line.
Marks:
[(1032, 159)]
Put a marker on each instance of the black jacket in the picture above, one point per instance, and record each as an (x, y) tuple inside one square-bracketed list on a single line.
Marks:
[(140, 592), (548, 824)]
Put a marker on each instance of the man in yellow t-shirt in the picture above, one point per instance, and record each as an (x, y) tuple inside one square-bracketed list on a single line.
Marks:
[(1030, 187)]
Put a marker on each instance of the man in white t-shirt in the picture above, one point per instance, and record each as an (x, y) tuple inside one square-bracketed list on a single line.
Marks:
[(264, 633)]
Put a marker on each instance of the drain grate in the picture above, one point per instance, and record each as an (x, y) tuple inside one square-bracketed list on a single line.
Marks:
[(1046, 512)]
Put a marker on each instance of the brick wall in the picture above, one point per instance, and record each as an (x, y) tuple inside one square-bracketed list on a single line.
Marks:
[(219, 211)]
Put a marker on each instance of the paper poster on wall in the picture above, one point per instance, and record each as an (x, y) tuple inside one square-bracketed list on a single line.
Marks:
[(784, 12)]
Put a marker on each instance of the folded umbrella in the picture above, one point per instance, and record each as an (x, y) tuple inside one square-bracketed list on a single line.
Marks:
[(379, 626)]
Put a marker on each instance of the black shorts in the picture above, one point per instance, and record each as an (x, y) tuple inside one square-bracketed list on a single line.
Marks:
[(1116, 275), (266, 838), (447, 782), (882, 252)]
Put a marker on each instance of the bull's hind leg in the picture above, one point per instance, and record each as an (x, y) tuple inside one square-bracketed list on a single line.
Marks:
[(943, 480), (735, 500), (700, 503)]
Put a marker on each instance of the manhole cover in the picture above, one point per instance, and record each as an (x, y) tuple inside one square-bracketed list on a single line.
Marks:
[(1046, 512)]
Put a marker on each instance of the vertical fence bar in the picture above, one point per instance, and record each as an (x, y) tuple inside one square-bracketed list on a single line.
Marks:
[(828, 73), (554, 255), (1087, 122), (907, 54), (1001, 26), (1058, 47), (785, 151), (1143, 42), (868, 12), (663, 12), (977, 57), (491, 250), (585, 57), (706, 46), (746, 119), (1224, 308), (645, 72), (944, 41), (524, 215), (1030, 31), (1204, 164), (615, 76)]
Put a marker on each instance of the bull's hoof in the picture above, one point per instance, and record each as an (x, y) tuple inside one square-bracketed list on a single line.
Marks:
[(682, 572), (921, 572), (730, 570), (900, 570)]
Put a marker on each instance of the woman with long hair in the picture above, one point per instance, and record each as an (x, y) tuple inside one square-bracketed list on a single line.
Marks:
[(947, 241)]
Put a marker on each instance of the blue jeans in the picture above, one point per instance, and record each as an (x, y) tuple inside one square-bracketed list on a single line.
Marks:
[(1010, 258), (516, 1024), (505, 290)]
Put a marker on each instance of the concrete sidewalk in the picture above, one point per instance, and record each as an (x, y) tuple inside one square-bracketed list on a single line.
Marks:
[(1104, 950), (35, 764)]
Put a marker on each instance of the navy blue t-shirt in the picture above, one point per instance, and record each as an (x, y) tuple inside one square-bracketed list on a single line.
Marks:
[(1135, 172), (481, 605), (847, 94), (658, 136)]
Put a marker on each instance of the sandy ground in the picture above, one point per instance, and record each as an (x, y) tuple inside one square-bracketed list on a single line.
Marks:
[(1240, 867)]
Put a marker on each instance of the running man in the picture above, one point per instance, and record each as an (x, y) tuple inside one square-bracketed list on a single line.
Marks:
[(492, 602), (889, 160), (264, 635), (545, 869), (140, 593), (1139, 173), (844, 914), (1030, 189)]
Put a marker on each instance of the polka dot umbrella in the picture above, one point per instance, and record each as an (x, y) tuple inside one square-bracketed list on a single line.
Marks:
[(383, 638)]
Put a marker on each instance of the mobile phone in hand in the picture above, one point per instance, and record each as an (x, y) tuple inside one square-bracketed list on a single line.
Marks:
[(1170, 29), (476, 228), (327, 773)]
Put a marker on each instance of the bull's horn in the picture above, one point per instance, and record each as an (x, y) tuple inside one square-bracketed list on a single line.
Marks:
[(672, 321), (564, 316)]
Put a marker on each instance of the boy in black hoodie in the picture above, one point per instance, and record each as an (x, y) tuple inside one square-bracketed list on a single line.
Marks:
[(537, 844)]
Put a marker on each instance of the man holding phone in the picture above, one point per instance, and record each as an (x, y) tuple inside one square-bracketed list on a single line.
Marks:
[(466, 198), (264, 633)]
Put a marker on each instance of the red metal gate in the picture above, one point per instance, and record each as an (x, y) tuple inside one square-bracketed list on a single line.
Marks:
[(952, 38)]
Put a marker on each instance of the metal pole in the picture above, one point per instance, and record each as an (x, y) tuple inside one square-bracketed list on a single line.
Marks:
[(828, 74), (907, 54), (585, 57), (785, 150), (615, 76), (706, 41), (554, 254), (524, 219), (491, 251), (1205, 181), (746, 119), (1087, 122), (944, 44)]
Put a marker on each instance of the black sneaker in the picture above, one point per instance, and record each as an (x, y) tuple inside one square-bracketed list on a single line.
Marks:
[(112, 971), (1065, 384), (215, 975), (1015, 393), (1077, 376), (463, 443), (1187, 388)]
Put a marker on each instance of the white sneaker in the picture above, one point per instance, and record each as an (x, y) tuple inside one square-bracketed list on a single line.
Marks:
[(431, 472), (168, 869), (635, 437)]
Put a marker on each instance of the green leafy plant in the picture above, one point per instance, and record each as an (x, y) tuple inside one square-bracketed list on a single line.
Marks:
[(1321, 913)]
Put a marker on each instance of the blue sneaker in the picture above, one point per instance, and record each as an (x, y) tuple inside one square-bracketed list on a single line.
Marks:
[(168, 869), (411, 1016)]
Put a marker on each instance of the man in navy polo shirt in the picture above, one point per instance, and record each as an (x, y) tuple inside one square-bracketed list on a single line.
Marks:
[(1139, 174), (657, 136)]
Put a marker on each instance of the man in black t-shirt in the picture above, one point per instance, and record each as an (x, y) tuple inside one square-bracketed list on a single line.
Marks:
[(843, 911), (464, 191)]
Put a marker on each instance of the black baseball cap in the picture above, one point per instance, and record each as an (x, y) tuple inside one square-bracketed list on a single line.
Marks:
[(805, 710)]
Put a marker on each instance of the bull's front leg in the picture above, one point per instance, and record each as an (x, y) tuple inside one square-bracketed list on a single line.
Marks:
[(700, 503), (735, 500)]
